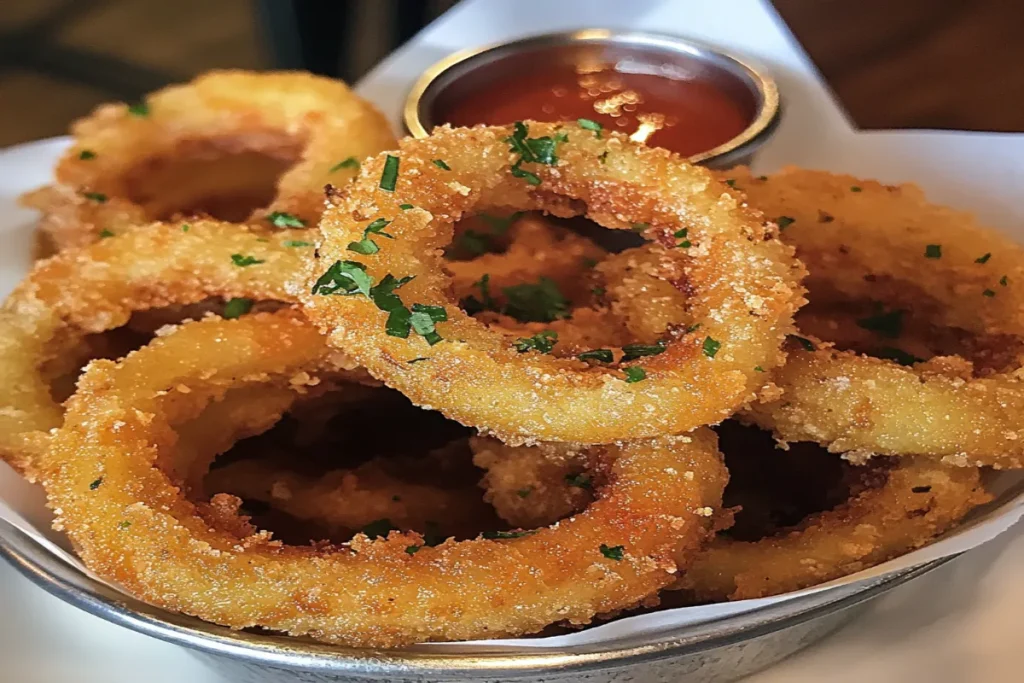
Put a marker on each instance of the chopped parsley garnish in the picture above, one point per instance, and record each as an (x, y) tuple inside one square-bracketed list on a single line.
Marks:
[(351, 162), (237, 307), (390, 175), (186, 227), (86, 154), (634, 375), (344, 277), (807, 344), (639, 227), (543, 342), (731, 182), (542, 302), (1004, 281), (886, 324), (598, 291), (500, 224), (711, 347), (758, 368), (988, 293), (280, 219), (95, 484), (681, 235), (296, 243), (366, 246), (983, 258), (897, 355), (104, 234), (580, 481), (413, 549), (474, 243), (379, 528), (587, 124), (405, 207), (634, 351), (524, 493), (855, 188), (138, 109), (542, 150), (615, 552), (441, 164), (486, 302), (501, 535), (243, 261), (933, 251), (762, 177), (785, 221), (599, 355), (123, 524), (423, 318), (603, 157), (95, 196)]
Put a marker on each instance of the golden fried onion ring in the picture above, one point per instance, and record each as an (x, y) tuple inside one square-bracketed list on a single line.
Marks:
[(210, 145), (97, 288), (865, 241), (742, 285), (131, 524)]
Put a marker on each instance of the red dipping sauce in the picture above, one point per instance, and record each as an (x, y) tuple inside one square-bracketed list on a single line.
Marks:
[(685, 116)]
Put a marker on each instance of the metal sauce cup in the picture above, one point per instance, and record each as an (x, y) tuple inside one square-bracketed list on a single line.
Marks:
[(458, 75)]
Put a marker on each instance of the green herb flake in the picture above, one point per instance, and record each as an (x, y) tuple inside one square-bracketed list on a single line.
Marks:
[(762, 178), (95, 484), (524, 493), (983, 258), (598, 355), (758, 368), (542, 302), (296, 243), (542, 342), (784, 222), (634, 375), (237, 307), (603, 157), (280, 219), (379, 528), (530, 178), (988, 293), (543, 150), (504, 535), (639, 227), (731, 182), (681, 235), (634, 351), (344, 277), (598, 291), (856, 188), (886, 324), (405, 207), (579, 481), (186, 227), (413, 549), (351, 162), (140, 109), (97, 197), (615, 552), (500, 224), (486, 302), (423, 318), (1004, 280), (86, 155), (123, 524), (441, 164), (807, 344), (389, 177), (243, 261), (104, 234), (587, 124), (710, 347), (933, 251)]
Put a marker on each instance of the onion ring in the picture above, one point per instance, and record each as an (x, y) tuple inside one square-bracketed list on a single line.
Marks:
[(896, 248), (134, 527), (919, 500), (214, 145), (98, 288), (742, 284)]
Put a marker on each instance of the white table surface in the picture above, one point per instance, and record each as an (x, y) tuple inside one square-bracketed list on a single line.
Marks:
[(962, 623)]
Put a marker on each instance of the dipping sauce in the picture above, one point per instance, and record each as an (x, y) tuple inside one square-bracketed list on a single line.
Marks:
[(685, 116)]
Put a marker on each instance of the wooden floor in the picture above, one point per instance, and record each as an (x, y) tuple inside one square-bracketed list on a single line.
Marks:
[(893, 63)]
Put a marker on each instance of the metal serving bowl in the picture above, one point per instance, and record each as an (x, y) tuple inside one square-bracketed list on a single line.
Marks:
[(452, 78), (715, 652)]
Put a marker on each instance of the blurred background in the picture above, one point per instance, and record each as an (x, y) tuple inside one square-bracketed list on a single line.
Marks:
[(912, 63)]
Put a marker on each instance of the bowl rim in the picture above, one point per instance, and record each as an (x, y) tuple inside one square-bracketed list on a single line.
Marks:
[(74, 587), (761, 127)]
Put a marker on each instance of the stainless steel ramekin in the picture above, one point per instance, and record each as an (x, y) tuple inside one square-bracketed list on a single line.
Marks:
[(463, 71), (716, 652)]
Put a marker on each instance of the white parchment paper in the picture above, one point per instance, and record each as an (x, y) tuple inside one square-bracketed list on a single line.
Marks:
[(974, 171)]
